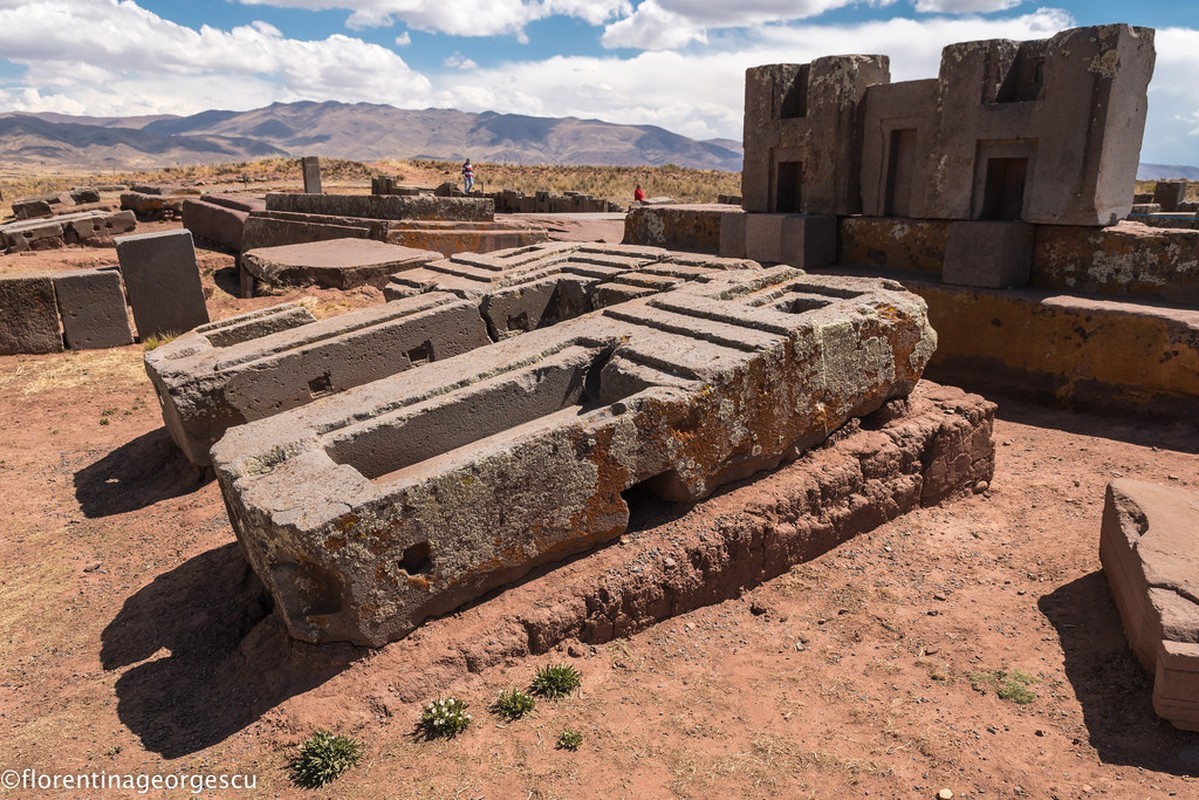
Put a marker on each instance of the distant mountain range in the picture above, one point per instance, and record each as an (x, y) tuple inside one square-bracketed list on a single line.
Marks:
[(358, 131), (367, 132), (1162, 172)]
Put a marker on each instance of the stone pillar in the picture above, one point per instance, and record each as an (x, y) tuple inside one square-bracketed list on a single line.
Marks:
[(312, 174)]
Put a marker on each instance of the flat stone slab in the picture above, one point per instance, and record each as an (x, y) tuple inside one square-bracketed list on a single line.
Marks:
[(1149, 547), (28, 315), (402, 499), (258, 364), (334, 263), (390, 207)]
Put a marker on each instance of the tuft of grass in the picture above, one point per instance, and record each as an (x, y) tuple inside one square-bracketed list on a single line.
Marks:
[(555, 680), (445, 717), (513, 704), (1012, 686), (569, 740), (323, 758), (156, 340)]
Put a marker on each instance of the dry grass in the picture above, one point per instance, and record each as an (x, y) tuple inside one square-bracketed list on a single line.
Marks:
[(613, 183), (1191, 194), (40, 374)]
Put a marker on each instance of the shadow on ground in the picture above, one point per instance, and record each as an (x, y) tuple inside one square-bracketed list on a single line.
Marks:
[(227, 659), (1179, 435), (137, 474), (1114, 690), (228, 280)]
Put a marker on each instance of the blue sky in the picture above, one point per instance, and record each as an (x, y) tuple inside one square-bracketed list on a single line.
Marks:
[(675, 63)]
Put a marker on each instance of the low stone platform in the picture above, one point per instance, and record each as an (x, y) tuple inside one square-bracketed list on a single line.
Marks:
[(254, 365), (526, 288), (1149, 547), (402, 499), (334, 263), (1078, 350)]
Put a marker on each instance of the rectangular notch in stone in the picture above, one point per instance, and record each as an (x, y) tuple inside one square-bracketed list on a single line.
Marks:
[(1025, 78), (901, 166), (789, 188), (795, 99), (567, 380), (1003, 191)]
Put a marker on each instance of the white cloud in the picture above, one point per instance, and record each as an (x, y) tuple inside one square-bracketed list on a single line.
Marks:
[(403, 40), (459, 61), (118, 58), (964, 6), (101, 57), (653, 27), (460, 17)]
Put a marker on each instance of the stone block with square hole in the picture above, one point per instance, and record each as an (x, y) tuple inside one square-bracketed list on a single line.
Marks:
[(526, 288), (265, 362), (399, 500)]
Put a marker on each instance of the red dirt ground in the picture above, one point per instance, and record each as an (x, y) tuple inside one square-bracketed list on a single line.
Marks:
[(136, 640)]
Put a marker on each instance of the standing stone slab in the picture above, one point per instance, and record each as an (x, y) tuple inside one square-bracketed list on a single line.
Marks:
[(312, 174), (163, 282), (28, 315), (92, 306), (258, 364), (1149, 547), (402, 499)]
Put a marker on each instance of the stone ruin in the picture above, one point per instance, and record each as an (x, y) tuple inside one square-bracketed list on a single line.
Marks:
[(50, 221), (252, 366), (404, 498), (1014, 167), (1010, 170), (443, 224), (507, 201)]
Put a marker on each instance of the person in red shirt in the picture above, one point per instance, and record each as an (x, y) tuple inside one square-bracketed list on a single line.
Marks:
[(638, 194), (468, 177)]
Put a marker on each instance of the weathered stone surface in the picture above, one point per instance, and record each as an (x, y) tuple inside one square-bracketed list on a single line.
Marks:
[(277, 228), (215, 224), (391, 207), (311, 167), (163, 282), (273, 229), (1075, 350), (1124, 260), (255, 365), (96, 228), (32, 234), (1169, 194), (909, 245), (92, 306), (149, 207), (808, 241), (334, 263), (404, 498), (803, 132), (1149, 547), (28, 315), (237, 202), (693, 228), (992, 255), (29, 207), (530, 287)]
